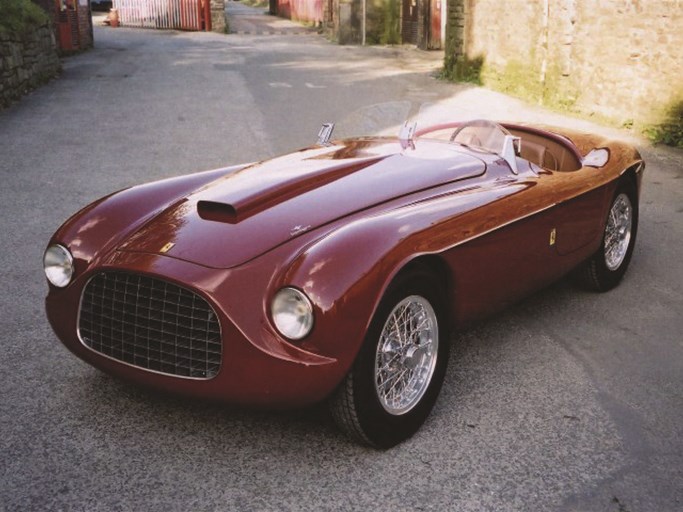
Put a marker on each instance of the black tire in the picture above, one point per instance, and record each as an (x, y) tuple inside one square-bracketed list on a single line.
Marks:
[(356, 406), (596, 274)]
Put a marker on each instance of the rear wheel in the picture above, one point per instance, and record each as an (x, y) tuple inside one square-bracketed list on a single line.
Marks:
[(605, 269), (399, 370)]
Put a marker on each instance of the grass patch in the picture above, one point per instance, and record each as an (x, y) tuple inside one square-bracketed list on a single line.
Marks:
[(19, 16)]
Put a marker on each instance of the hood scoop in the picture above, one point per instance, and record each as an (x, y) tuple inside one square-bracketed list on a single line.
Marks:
[(218, 212), (237, 201)]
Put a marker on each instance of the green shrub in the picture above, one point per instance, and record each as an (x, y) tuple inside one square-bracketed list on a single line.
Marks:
[(18, 16), (383, 22), (463, 69), (391, 33), (670, 132)]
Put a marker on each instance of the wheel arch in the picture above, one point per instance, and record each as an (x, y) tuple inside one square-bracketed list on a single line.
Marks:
[(358, 406), (633, 174), (433, 264)]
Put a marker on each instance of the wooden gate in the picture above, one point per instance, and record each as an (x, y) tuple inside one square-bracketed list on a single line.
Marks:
[(168, 14), (301, 10)]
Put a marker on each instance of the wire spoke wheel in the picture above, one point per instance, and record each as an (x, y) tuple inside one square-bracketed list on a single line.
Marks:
[(618, 231), (607, 266), (398, 372), (406, 355)]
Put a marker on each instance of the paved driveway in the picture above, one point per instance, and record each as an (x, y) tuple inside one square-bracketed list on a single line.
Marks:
[(246, 20), (568, 401)]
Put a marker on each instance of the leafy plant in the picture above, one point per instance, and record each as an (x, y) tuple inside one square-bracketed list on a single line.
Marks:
[(669, 132), (17, 16), (391, 33)]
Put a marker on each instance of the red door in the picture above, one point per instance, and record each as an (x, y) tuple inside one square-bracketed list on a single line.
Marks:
[(435, 7), (67, 25)]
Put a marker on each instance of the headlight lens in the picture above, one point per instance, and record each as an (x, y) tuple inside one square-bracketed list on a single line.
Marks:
[(292, 313), (58, 265)]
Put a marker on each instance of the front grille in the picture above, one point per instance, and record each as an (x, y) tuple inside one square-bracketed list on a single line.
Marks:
[(151, 324)]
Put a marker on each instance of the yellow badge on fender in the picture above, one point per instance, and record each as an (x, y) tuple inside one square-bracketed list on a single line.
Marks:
[(553, 236), (167, 248)]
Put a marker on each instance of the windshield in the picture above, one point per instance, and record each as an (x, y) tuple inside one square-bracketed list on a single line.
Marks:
[(432, 122)]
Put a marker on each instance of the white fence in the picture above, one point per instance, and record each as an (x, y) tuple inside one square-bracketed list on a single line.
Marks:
[(168, 14)]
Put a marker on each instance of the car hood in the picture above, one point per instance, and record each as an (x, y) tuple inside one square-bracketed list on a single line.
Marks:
[(246, 213)]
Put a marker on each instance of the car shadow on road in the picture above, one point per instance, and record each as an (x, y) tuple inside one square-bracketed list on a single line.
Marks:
[(484, 358)]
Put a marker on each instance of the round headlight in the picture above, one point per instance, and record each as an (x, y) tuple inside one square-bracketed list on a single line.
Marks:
[(58, 265), (292, 313)]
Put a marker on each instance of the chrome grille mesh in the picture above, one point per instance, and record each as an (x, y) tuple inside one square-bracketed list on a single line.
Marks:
[(151, 324)]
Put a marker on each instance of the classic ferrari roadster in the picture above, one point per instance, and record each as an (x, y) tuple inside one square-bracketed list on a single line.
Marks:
[(337, 272)]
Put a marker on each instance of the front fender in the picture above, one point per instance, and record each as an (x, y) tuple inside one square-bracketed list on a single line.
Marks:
[(99, 227), (345, 275)]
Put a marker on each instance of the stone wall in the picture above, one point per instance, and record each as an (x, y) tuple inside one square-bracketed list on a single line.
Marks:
[(218, 21), (617, 59), (26, 61)]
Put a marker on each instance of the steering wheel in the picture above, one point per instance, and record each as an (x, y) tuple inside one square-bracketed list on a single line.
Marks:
[(480, 133), (485, 124)]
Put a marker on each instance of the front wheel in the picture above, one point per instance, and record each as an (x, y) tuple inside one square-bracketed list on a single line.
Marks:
[(399, 370), (605, 269)]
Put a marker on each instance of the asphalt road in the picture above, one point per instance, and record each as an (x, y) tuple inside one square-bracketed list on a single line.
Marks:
[(569, 401)]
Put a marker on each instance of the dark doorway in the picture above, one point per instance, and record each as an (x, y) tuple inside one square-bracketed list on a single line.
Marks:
[(409, 22)]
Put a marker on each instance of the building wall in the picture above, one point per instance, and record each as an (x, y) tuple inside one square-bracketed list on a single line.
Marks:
[(85, 34), (621, 59), (78, 12)]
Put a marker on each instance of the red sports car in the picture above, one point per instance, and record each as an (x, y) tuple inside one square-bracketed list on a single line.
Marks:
[(337, 272)]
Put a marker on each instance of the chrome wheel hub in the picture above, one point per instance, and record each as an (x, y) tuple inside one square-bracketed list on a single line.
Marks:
[(618, 232), (406, 355)]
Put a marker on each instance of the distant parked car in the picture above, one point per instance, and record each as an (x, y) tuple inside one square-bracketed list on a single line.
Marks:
[(100, 5), (337, 272)]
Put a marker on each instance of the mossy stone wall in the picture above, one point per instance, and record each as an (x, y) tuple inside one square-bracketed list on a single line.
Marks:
[(613, 59)]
